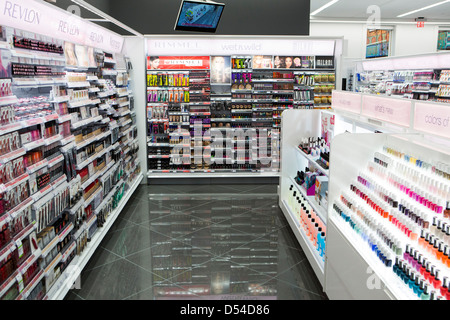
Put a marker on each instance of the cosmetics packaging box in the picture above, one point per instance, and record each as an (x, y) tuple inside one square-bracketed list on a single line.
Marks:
[(321, 190), (310, 183)]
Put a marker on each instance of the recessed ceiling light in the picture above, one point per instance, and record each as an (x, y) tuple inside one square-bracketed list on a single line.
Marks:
[(421, 9), (325, 6)]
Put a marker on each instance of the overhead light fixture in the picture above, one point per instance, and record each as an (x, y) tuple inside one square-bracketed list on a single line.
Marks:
[(325, 6), (106, 17), (424, 8)]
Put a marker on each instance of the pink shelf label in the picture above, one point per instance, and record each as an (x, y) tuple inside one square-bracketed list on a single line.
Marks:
[(432, 118), (346, 101), (387, 109)]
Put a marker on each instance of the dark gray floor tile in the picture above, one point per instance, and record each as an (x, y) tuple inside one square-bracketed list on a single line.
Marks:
[(128, 240), (302, 276), (200, 242), (114, 281), (101, 258)]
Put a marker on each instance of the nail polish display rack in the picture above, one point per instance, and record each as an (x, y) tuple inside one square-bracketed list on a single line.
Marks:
[(68, 164), (255, 102), (388, 218)]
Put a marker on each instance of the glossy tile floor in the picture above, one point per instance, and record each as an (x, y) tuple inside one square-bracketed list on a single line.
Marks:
[(200, 242)]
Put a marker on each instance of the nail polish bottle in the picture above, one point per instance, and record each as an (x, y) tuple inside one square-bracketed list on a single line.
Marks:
[(444, 257), (437, 279), (440, 251), (446, 212), (416, 286), (396, 266), (426, 293), (406, 253), (407, 275), (433, 226), (444, 286), (447, 235), (412, 280), (433, 295)]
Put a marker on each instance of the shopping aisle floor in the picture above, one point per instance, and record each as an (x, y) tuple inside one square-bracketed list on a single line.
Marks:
[(200, 242)]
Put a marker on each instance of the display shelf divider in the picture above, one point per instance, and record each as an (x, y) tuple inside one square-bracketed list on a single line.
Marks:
[(26, 291), (60, 289)]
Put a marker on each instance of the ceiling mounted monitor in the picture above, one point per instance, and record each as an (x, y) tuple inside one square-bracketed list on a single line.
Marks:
[(199, 16)]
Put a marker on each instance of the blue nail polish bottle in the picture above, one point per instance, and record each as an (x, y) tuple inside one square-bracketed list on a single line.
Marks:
[(418, 287), (411, 280)]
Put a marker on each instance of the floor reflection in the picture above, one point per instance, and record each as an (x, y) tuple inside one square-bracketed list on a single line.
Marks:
[(200, 242), (228, 248)]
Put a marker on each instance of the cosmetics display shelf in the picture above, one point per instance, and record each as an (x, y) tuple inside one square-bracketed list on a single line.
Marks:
[(65, 281), (415, 83), (394, 232), (320, 211), (255, 101), (393, 287), (313, 160), (305, 209), (69, 123), (316, 261)]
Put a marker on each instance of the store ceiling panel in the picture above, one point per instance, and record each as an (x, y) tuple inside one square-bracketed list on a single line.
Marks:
[(389, 10)]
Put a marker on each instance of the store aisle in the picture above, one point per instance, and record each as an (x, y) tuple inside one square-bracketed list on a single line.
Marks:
[(200, 242)]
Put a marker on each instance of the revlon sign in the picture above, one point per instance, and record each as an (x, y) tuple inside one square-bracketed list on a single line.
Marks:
[(33, 16)]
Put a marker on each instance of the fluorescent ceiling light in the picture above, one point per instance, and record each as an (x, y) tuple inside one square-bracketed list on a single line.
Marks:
[(100, 13), (424, 8), (325, 6), (98, 20)]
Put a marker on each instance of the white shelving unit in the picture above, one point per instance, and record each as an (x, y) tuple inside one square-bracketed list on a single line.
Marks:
[(60, 289), (103, 144), (298, 124), (353, 271)]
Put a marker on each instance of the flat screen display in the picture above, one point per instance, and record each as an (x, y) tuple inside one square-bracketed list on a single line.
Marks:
[(199, 16)]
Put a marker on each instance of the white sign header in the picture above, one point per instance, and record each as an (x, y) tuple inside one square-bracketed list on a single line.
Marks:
[(41, 18), (433, 61), (239, 46)]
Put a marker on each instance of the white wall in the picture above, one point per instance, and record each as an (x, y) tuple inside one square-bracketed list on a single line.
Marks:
[(408, 39), (412, 40), (353, 34)]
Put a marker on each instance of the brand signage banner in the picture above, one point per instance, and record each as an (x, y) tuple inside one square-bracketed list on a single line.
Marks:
[(178, 63), (346, 101), (33, 16), (233, 46), (387, 109), (432, 118)]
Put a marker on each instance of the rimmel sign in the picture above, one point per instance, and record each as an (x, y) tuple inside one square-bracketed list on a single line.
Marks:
[(22, 13)]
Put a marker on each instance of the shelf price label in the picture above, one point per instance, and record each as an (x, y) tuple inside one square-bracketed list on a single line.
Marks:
[(432, 118), (387, 109), (346, 101)]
